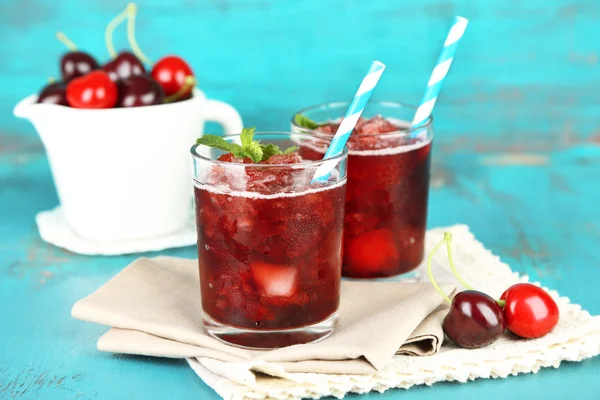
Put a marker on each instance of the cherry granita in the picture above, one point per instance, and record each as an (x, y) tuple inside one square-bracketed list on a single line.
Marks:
[(386, 197), (269, 180), (229, 157), (362, 135), (266, 180), (269, 252)]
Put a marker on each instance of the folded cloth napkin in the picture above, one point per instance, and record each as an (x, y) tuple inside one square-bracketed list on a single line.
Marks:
[(153, 307), (163, 319)]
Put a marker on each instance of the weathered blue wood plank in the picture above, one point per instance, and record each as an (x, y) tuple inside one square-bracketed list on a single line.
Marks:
[(524, 68), (51, 356), (516, 156)]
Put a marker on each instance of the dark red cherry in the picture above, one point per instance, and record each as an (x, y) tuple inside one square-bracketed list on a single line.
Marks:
[(138, 91), (123, 66), (474, 320), (75, 64), (54, 93)]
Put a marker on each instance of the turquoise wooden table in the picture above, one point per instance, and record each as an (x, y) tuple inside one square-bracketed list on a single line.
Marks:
[(517, 156)]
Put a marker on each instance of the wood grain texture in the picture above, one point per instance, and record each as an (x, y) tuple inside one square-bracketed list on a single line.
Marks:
[(516, 155), (524, 68)]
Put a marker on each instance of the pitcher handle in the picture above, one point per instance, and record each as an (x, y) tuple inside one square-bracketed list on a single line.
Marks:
[(225, 115)]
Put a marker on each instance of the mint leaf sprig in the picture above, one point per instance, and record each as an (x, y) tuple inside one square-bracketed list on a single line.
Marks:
[(250, 148), (305, 122)]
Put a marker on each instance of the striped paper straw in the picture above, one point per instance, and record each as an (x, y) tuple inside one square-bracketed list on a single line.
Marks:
[(436, 81), (350, 119)]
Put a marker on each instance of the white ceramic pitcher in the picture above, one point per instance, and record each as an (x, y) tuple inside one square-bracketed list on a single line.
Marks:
[(125, 173)]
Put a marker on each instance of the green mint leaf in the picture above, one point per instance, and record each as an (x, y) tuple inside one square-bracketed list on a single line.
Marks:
[(269, 150), (250, 148), (247, 135), (238, 152), (254, 151), (290, 150), (216, 142), (305, 122)]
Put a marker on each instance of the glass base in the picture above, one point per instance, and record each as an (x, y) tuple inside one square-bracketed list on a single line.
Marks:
[(272, 338), (407, 277)]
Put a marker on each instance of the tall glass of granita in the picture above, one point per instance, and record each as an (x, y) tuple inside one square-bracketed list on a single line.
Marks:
[(388, 185)]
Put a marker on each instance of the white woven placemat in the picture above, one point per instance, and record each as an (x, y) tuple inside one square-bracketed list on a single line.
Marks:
[(576, 337)]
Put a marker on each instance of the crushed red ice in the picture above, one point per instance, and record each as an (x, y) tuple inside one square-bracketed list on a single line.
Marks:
[(364, 135), (229, 157), (260, 179), (371, 126), (292, 158), (374, 126)]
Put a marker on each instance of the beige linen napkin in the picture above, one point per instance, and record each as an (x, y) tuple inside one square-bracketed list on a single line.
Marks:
[(153, 308)]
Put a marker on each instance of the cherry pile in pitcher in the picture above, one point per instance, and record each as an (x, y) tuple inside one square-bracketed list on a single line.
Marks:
[(123, 81), (476, 319)]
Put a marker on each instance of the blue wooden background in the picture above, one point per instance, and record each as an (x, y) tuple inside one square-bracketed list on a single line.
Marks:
[(527, 71), (517, 153)]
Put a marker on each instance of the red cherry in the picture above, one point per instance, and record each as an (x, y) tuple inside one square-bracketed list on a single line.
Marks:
[(94, 90), (529, 311), (170, 72)]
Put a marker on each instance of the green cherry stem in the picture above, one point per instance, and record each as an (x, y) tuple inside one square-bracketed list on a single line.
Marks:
[(131, 12), (66, 41), (188, 83), (448, 240), (430, 274), (110, 28)]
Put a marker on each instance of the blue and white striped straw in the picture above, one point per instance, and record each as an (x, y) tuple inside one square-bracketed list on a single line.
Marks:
[(350, 119), (436, 81)]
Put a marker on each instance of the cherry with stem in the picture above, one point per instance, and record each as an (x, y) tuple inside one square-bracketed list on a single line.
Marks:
[(75, 63), (188, 84), (528, 310), (475, 319), (172, 73), (448, 241), (124, 64), (131, 13)]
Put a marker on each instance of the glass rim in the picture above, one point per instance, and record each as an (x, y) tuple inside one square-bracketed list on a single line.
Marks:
[(303, 164), (400, 132)]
